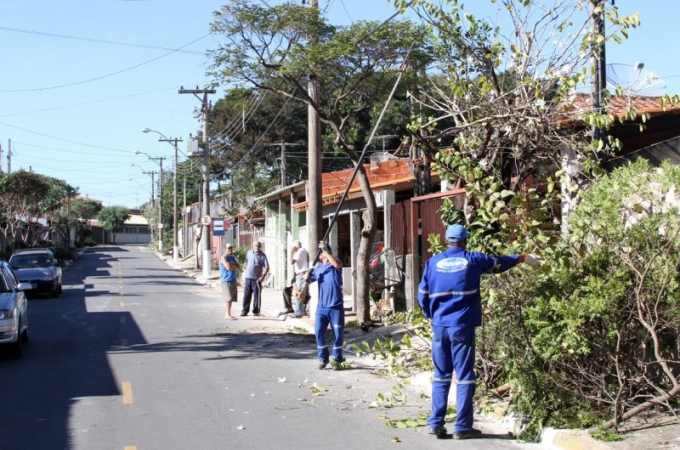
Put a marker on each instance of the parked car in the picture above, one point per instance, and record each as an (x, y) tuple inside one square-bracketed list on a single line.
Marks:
[(38, 267), (13, 311)]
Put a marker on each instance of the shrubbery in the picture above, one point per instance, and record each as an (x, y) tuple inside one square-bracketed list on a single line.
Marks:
[(590, 338)]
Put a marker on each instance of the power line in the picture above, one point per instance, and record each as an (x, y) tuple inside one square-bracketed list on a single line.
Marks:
[(103, 76), (87, 103), (65, 140), (99, 41)]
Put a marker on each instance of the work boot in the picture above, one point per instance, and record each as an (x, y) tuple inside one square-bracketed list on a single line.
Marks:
[(472, 434), (322, 364), (438, 432)]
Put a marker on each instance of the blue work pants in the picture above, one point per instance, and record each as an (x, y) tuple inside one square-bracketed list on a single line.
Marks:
[(336, 318), (453, 349)]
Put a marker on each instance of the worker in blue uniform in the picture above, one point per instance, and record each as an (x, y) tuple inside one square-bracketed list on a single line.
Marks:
[(449, 295), (330, 309)]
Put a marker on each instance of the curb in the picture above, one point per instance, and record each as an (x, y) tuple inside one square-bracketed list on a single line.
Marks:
[(570, 440)]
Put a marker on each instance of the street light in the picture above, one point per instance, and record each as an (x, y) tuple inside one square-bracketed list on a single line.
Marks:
[(158, 160), (175, 240)]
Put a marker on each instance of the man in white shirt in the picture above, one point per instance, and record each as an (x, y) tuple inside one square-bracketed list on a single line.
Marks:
[(299, 258)]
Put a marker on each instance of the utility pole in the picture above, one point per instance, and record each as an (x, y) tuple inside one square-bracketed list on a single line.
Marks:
[(282, 160), (175, 241), (598, 78), (314, 169), (159, 160), (9, 156), (205, 170), (153, 198)]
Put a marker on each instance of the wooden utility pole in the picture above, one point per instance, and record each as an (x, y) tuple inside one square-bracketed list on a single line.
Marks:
[(9, 156), (175, 240), (205, 170), (282, 160), (314, 212), (598, 78), (159, 160), (153, 181)]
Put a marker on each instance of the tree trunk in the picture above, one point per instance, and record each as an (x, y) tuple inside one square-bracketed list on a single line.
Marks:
[(365, 244)]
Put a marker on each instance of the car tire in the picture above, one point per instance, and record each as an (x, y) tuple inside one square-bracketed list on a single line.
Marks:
[(16, 350), (61, 288), (55, 292), (24, 336)]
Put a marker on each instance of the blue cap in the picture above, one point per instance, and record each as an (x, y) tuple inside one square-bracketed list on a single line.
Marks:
[(456, 233)]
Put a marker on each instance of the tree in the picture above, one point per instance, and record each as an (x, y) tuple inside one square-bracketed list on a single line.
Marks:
[(276, 49), (504, 95), (566, 338), (248, 127), (55, 208), (23, 196), (113, 218), (85, 209)]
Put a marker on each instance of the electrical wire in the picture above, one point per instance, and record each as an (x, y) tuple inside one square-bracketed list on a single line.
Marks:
[(88, 103), (99, 41), (65, 140), (103, 76)]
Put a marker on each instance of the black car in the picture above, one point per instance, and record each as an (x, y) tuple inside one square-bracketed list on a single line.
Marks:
[(38, 267)]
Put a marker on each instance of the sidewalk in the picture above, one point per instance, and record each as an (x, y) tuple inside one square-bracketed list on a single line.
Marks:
[(272, 299), (651, 437)]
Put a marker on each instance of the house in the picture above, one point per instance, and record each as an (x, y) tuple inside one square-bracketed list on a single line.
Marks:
[(392, 181), (238, 230), (134, 231)]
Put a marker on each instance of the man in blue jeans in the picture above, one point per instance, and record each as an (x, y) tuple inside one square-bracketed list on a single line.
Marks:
[(449, 295), (330, 309)]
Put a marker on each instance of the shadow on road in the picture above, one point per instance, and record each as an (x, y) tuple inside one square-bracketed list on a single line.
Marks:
[(65, 361)]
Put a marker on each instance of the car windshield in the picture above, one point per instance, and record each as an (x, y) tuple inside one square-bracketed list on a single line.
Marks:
[(30, 261)]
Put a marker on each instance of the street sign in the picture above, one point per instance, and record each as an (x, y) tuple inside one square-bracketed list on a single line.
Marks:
[(218, 227), (206, 220)]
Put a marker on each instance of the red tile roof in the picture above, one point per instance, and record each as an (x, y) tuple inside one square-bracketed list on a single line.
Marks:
[(617, 106), (381, 175)]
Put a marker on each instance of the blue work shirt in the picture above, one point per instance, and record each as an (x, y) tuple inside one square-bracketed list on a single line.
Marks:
[(228, 275), (449, 290), (330, 285)]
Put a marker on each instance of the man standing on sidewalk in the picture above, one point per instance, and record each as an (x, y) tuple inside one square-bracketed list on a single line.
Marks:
[(256, 269), (228, 276), (299, 258), (449, 295)]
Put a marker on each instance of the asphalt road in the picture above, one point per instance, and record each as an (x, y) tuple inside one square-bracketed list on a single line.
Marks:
[(136, 356)]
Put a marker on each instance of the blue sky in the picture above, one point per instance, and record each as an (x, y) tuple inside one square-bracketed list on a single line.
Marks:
[(80, 79)]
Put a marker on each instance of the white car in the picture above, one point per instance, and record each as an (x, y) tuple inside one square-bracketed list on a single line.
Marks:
[(13, 311)]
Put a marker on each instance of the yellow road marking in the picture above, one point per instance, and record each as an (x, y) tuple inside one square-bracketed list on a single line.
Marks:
[(127, 393), (122, 304), (130, 447)]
